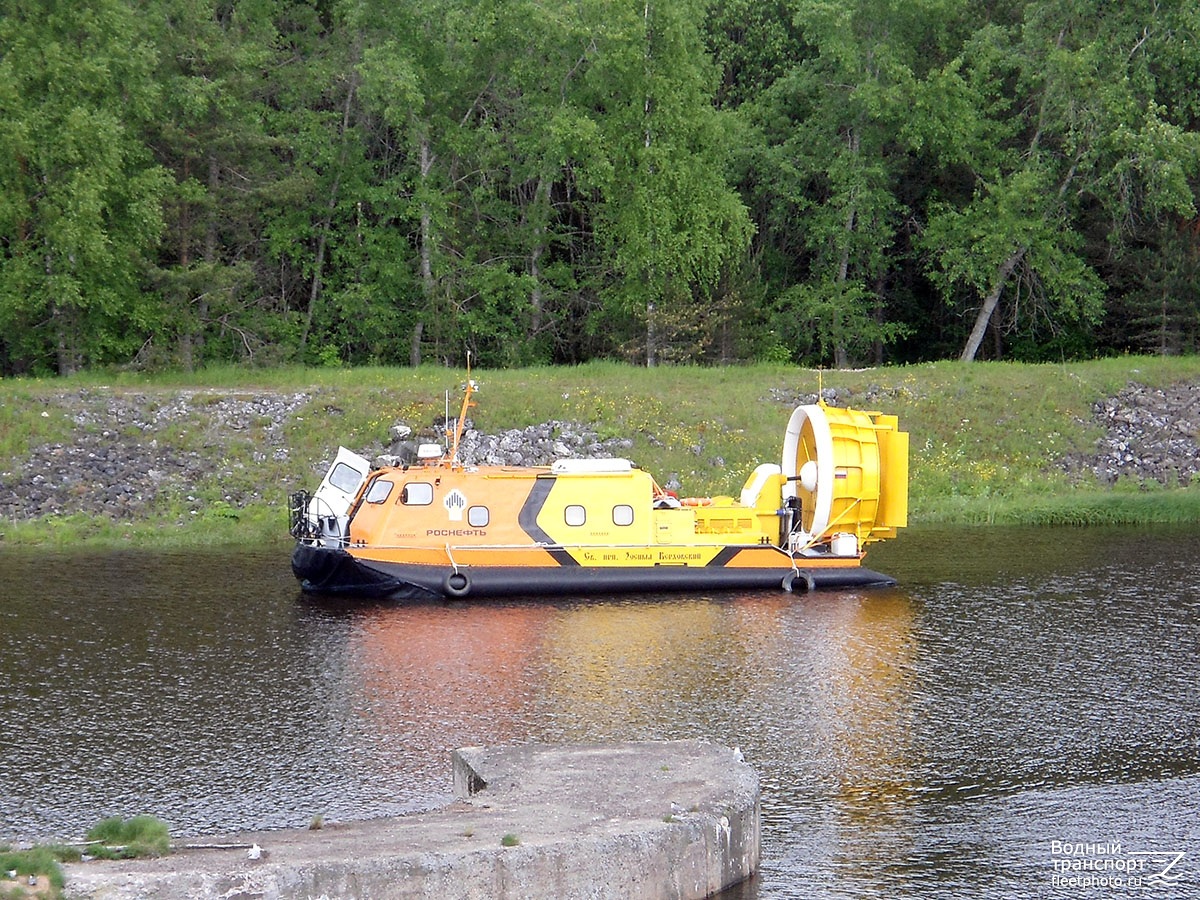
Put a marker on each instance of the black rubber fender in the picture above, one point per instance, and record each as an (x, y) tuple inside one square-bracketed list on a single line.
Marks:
[(457, 584), (799, 580)]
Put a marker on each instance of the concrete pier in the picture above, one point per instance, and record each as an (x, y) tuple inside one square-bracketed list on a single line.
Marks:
[(675, 819)]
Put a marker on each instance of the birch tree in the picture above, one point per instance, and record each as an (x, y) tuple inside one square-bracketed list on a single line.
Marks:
[(80, 213), (666, 215), (1073, 94)]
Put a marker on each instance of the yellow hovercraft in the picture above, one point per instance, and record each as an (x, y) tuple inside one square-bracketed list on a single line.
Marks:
[(437, 528)]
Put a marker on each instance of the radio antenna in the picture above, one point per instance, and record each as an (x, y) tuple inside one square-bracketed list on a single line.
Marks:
[(470, 388)]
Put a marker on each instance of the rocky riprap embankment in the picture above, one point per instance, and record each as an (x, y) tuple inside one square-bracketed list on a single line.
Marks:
[(872, 397), (123, 455), (535, 445), (1150, 434), (115, 464)]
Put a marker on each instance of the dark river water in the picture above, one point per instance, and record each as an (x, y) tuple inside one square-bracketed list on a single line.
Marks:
[(1020, 710)]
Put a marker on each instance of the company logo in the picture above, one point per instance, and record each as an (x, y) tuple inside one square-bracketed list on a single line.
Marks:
[(455, 503)]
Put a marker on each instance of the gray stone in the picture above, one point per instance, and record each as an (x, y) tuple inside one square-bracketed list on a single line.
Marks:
[(674, 819)]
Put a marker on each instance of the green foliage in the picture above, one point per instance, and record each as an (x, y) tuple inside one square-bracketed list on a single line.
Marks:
[(119, 838), (1084, 128), (1160, 313), (82, 198), (668, 218), (828, 320), (113, 838), (38, 861), (753, 43), (678, 181)]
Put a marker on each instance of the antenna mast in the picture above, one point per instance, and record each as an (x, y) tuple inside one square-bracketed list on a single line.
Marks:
[(470, 388)]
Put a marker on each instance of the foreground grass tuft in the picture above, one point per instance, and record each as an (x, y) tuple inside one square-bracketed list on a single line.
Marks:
[(118, 838), (113, 838), (16, 866)]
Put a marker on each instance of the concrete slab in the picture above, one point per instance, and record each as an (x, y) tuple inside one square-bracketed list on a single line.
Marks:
[(674, 819)]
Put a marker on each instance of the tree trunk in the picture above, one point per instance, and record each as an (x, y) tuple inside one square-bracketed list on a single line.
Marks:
[(841, 359), (989, 305), (426, 251), (414, 350), (647, 107), (62, 347), (536, 299), (877, 344), (314, 292), (196, 339), (66, 354), (185, 260), (651, 336)]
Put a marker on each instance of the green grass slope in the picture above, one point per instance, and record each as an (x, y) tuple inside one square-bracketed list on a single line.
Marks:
[(987, 439)]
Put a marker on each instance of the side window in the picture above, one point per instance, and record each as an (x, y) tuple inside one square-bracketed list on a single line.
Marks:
[(623, 515), (379, 491), (575, 515), (417, 493), (345, 478), (478, 516)]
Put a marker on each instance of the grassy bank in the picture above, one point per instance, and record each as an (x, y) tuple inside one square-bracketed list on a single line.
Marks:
[(987, 438)]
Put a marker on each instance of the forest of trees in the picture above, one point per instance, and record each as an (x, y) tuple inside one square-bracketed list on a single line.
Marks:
[(835, 182)]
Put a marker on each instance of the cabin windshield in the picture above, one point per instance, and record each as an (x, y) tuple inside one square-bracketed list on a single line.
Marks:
[(345, 478), (379, 491)]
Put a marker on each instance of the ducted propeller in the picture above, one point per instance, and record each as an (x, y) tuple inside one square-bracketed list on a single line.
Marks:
[(849, 470)]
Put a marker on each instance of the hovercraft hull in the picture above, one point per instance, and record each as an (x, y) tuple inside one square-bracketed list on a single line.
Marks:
[(334, 571)]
